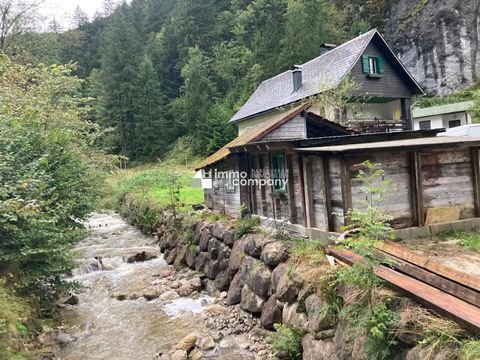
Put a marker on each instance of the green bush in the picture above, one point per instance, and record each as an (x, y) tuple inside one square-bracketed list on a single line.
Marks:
[(50, 176), (286, 342)]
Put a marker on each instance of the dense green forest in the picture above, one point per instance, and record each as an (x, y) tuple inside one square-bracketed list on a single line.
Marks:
[(160, 70)]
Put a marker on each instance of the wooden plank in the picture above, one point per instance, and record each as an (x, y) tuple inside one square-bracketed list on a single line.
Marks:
[(346, 190), (465, 314), (307, 173), (302, 188), (328, 195), (400, 252), (290, 189), (437, 281), (417, 189), (475, 179), (272, 190), (263, 191)]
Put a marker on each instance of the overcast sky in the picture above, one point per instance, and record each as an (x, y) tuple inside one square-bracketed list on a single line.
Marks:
[(62, 10)]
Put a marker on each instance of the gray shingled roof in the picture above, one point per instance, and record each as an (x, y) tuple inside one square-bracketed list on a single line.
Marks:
[(319, 74)]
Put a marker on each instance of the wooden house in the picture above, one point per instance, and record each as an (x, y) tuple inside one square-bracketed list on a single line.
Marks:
[(311, 155)]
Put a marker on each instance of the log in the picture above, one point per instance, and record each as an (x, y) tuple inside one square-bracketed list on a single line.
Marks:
[(462, 312), (400, 252)]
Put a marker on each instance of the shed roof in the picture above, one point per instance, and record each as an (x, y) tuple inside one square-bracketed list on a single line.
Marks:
[(396, 144), (253, 134), (442, 109), (322, 73)]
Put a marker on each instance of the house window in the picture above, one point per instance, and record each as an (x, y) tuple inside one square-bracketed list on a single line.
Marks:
[(279, 172), (454, 123), (425, 125), (372, 65), (229, 183)]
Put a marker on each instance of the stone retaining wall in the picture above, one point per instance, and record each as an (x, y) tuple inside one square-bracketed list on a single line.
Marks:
[(255, 272)]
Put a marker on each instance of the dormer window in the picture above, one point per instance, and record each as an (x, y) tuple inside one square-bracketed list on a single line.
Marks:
[(372, 66)]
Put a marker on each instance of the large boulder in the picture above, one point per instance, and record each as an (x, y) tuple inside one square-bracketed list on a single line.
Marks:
[(318, 320), (170, 255), (219, 229), (237, 255), (274, 253), (250, 301), (204, 239), (257, 277), (348, 341), (234, 295), (288, 287), (224, 253), (317, 349), (180, 259), (222, 281), (271, 313), (191, 256), (229, 237), (212, 269), (214, 246), (198, 232), (291, 316), (201, 261), (277, 274), (254, 244), (141, 256)]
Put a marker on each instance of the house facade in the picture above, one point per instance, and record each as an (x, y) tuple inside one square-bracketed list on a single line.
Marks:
[(442, 116), (296, 158)]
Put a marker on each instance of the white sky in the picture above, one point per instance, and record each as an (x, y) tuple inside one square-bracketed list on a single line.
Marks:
[(62, 10)]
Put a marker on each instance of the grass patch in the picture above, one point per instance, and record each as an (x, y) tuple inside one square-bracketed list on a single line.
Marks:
[(470, 241), (151, 183), (247, 225), (286, 342)]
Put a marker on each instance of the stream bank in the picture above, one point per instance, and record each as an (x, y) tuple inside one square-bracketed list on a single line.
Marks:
[(135, 306)]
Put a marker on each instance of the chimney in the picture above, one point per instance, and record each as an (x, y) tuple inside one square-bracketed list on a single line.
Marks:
[(297, 77), (327, 47)]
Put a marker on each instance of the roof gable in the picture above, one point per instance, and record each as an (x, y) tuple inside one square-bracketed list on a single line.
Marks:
[(320, 74)]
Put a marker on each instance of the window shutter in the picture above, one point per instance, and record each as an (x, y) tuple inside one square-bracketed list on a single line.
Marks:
[(380, 67), (365, 66)]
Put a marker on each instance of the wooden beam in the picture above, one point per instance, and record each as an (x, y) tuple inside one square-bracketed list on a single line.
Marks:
[(417, 189), (346, 189), (272, 189), (302, 188), (290, 189), (307, 172), (465, 314), (328, 195), (400, 252), (263, 194), (437, 281), (475, 179)]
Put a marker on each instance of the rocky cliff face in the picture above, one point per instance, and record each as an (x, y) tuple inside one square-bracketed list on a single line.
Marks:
[(438, 42)]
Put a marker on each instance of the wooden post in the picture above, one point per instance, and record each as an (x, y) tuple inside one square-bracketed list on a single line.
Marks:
[(290, 189), (475, 179), (302, 188), (272, 188), (307, 173), (406, 115), (417, 188), (263, 194), (328, 195), (346, 190)]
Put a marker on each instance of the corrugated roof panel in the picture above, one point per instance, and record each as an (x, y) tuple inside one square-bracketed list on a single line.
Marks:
[(442, 109)]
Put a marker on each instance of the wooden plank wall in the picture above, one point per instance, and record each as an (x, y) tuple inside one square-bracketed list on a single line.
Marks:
[(398, 197), (296, 128), (294, 177), (335, 181), (228, 203), (319, 198), (447, 180)]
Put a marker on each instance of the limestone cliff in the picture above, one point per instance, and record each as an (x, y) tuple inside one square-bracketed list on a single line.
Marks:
[(438, 41)]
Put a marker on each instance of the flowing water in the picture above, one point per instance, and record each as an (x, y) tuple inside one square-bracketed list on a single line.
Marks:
[(107, 328)]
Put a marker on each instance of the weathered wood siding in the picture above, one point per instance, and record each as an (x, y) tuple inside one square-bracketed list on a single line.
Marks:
[(294, 129), (389, 85), (447, 181), (335, 182), (398, 196), (320, 215), (294, 177), (226, 202)]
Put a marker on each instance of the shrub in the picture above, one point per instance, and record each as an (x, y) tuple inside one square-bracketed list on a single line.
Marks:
[(247, 225), (286, 342)]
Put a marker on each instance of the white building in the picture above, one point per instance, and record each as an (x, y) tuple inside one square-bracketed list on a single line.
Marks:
[(442, 116)]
